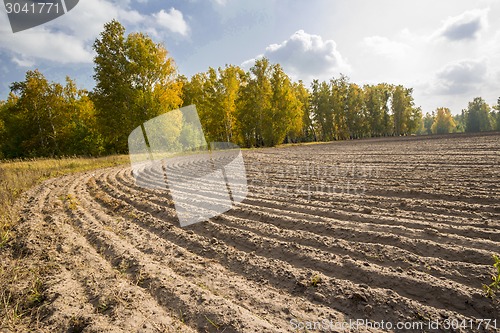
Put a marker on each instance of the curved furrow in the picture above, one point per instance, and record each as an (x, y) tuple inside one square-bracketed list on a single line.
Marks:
[(425, 242), (51, 229), (170, 290), (393, 223), (308, 258), (387, 256), (439, 212), (468, 237), (109, 287), (80, 291), (262, 267), (204, 273), (323, 226), (426, 290), (454, 268), (432, 224), (249, 266)]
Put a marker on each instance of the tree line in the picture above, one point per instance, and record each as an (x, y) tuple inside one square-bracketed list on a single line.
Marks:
[(478, 117), (48, 119), (137, 80)]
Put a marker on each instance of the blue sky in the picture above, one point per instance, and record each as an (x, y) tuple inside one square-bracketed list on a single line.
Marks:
[(448, 50)]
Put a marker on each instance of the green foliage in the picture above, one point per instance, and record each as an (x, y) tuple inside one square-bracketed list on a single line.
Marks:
[(443, 122), (269, 108), (321, 110), (428, 121), (415, 120), (459, 120), (285, 112), (355, 112), (254, 103), (136, 80), (228, 87), (307, 131), (215, 94), (377, 110), (342, 110), (47, 119), (496, 115), (478, 117), (492, 289), (338, 100), (403, 111)]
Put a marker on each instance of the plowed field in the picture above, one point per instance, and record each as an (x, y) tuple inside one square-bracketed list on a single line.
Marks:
[(398, 230)]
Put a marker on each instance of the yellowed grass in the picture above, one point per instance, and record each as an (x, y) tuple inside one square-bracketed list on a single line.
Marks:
[(19, 176)]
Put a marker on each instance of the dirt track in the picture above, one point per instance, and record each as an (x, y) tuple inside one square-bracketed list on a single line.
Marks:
[(393, 230)]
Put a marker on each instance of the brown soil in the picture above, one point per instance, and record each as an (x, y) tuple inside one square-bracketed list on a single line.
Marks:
[(393, 230)]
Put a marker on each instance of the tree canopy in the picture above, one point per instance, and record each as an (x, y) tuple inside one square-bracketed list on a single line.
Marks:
[(443, 122), (478, 117), (48, 119), (136, 80)]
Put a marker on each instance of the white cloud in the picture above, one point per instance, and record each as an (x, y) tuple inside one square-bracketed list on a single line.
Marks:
[(68, 39), (65, 40), (461, 77), (21, 62), (131, 16), (87, 19), (173, 20), (220, 2), (466, 26), (305, 56), (42, 44), (383, 46)]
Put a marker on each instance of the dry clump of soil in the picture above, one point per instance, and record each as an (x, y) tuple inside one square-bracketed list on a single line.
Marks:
[(393, 230)]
